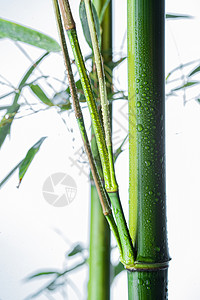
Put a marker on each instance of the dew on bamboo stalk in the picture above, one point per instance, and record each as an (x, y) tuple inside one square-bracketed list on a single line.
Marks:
[(147, 163), (140, 127)]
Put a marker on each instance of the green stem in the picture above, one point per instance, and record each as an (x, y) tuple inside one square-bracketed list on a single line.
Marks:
[(102, 90), (147, 285), (78, 113), (99, 256), (147, 148), (86, 85)]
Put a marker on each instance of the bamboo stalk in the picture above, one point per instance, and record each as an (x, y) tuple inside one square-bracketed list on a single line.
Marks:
[(99, 133), (103, 197), (99, 256), (103, 92), (147, 148)]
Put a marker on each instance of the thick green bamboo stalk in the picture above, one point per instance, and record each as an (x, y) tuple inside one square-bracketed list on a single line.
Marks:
[(147, 148), (99, 257)]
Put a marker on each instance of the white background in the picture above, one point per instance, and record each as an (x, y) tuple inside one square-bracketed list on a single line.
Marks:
[(31, 229)]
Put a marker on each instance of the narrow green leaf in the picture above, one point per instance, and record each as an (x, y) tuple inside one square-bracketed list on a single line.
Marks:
[(26, 35), (45, 273), (84, 23), (188, 84), (6, 95), (28, 159), (117, 269), (8, 118), (119, 149), (114, 64), (27, 75), (175, 16), (102, 13), (75, 250), (196, 70), (10, 174), (181, 67), (6, 121), (36, 89)]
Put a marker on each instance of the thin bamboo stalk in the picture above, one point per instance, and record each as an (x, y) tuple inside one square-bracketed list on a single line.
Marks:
[(148, 230), (99, 255)]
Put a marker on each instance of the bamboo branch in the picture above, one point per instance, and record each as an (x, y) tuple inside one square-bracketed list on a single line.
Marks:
[(102, 90), (86, 85), (78, 113)]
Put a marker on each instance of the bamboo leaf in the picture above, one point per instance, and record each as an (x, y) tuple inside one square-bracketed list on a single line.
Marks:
[(8, 118), (26, 35), (114, 64), (175, 16), (28, 159), (27, 75), (40, 274), (6, 95), (117, 269), (196, 70), (181, 67), (84, 23), (36, 89), (10, 174), (76, 250), (102, 13), (6, 121), (119, 149), (186, 85)]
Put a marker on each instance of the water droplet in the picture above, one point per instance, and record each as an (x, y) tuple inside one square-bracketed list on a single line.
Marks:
[(147, 163), (116, 211), (137, 91), (147, 282), (140, 127), (144, 95), (137, 80), (138, 104)]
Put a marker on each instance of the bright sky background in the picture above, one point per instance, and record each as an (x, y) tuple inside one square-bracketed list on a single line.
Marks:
[(29, 226)]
